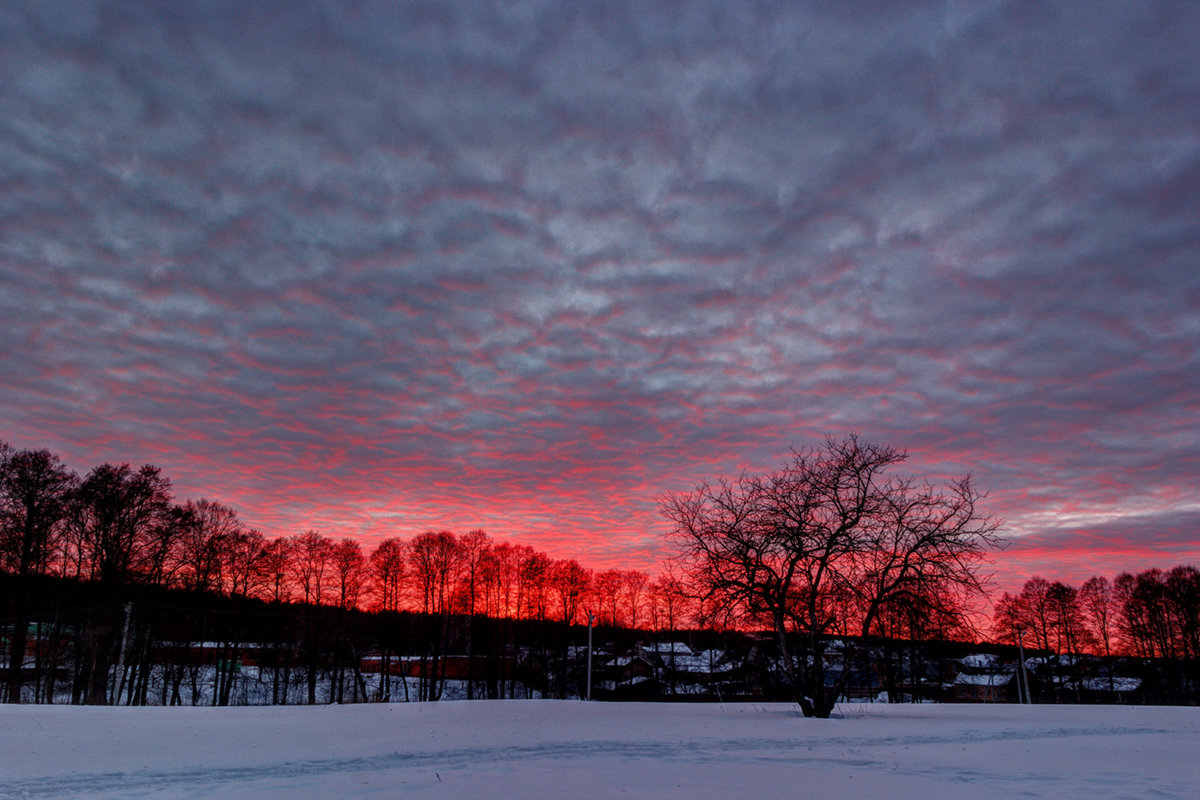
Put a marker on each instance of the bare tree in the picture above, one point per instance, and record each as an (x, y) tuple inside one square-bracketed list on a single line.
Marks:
[(202, 543), (669, 604), (818, 548), (279, 555), (474, 546), (1101, 608), (435, 559), (1160, 618), (247, 568), (633, 594), (312, 563), (35, 489), (242, 573), (1071, 633), (1099, 602), (606, 588), (388, 570), (1183, 595), (277, 568), (1026, 613), (116, 510), (569, 583), (434, 562), (501, 577), (349, 565), (312, 557), (535, 575), (161, 563)]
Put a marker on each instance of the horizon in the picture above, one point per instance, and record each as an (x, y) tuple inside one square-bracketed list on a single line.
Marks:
[(373, 271)]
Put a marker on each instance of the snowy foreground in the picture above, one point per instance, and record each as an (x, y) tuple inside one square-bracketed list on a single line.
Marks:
[(550, 749)]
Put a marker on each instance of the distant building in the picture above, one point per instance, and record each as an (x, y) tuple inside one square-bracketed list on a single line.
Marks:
[(982, 678)]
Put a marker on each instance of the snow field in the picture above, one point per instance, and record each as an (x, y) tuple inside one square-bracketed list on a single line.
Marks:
[(569, 749)]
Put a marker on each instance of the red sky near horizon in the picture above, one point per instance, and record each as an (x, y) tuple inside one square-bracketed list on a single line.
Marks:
[(374, 270)]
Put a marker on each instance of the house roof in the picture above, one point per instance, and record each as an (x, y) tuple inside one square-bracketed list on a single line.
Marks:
[(1118, 684), (978, 660), (702, 662), (984, 679), (666, 648)]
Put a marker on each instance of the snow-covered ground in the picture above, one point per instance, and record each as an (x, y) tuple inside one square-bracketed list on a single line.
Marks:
[(569, 749)]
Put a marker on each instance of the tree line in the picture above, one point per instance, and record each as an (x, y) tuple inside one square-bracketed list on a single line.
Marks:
[(1151, 616), (828, 553), (118, 529)]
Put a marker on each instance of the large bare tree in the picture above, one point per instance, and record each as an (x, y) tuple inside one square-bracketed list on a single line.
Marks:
[(818, 549)]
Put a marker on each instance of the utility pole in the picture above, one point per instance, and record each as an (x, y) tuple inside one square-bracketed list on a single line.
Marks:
[(591, 620), (1024, 677)]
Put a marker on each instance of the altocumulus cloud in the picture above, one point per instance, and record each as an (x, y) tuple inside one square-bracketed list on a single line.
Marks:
[(372, 268)]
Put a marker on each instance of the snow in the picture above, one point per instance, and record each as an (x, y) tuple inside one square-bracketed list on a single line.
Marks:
[(979, 661), (1116, 684), (666, 649), (544, 749), (989, 679)]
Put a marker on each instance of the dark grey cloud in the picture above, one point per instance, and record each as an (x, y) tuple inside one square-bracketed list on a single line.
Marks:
[(536, 263)]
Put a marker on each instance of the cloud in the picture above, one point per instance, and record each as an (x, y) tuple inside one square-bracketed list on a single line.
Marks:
[(1124, 543), (376, 268)]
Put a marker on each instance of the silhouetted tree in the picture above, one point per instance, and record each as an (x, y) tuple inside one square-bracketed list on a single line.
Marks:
[(35, 489), (1160, 619), (821, 546), (569, 584), (278, 555), (246, 567), (500, 575), (633, 594), (202, 544), (387, 567), (1183, 595), (349, 565), (669, 600), (1026, 616), (434, 562), (1100, 608), (117, 510), (278, 567), (473, 547), (606, 588), (312, 556)]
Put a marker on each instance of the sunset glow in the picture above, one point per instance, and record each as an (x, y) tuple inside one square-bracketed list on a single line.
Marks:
[(377, 268)]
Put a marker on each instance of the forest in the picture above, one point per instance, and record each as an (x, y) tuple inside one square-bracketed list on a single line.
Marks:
[(113, 592)]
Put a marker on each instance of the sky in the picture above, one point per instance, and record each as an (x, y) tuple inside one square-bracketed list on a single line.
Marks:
[(374, 268)]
